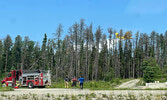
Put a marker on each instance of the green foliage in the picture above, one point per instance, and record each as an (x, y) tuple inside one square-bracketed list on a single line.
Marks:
[(151, 70)]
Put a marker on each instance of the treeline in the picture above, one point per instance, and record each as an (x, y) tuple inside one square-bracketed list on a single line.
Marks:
[(96, 56)]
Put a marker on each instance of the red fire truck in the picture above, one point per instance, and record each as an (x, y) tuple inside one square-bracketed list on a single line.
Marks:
[(30, 78)]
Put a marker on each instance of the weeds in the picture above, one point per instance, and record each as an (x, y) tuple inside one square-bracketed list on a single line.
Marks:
[(111, 97), (148, 97), (57, 98), (3, 95), (25, 96), (120, 97), (61, 95), (81, 95), (104, 96), (85, 97), (18, 98), (66, 97), (9, 98), (48, 95), (53, 96), (34, 95), (73, 97), (92, 95), (99, 98), (132, 97)]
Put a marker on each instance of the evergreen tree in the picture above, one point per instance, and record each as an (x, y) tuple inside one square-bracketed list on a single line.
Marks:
[(16, 53), (151, 70), (7, 49)]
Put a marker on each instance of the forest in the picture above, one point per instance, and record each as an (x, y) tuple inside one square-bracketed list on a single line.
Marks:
[(94, 55)]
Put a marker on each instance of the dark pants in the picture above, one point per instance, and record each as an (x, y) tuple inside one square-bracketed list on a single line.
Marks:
[(74, 83), (81, 85)]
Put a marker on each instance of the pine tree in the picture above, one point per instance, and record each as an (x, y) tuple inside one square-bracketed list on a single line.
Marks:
[(44, 56), (16, 58), (1, 55), (7, 48)]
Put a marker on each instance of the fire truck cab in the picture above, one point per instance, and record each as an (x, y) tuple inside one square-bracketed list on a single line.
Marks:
[(30, 78)]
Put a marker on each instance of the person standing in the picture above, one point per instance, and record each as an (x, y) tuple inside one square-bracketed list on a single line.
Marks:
[(66, 82), (81, 81), (74, 82)]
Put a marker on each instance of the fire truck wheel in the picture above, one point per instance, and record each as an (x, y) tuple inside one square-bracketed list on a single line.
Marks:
[(30, 85)]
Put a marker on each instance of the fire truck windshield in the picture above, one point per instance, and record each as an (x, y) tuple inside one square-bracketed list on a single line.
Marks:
[(10, 75)]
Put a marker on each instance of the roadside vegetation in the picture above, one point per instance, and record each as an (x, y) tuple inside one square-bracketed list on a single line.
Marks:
[(93, 85)]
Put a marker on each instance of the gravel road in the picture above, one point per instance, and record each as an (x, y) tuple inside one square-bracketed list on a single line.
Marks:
[(129, 84)]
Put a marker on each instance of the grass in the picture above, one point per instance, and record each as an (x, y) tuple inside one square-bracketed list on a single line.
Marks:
[(6, 89), (103, 85), (93, 85)]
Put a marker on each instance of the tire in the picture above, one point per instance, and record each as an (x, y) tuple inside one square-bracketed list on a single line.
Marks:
[(30, 85)]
